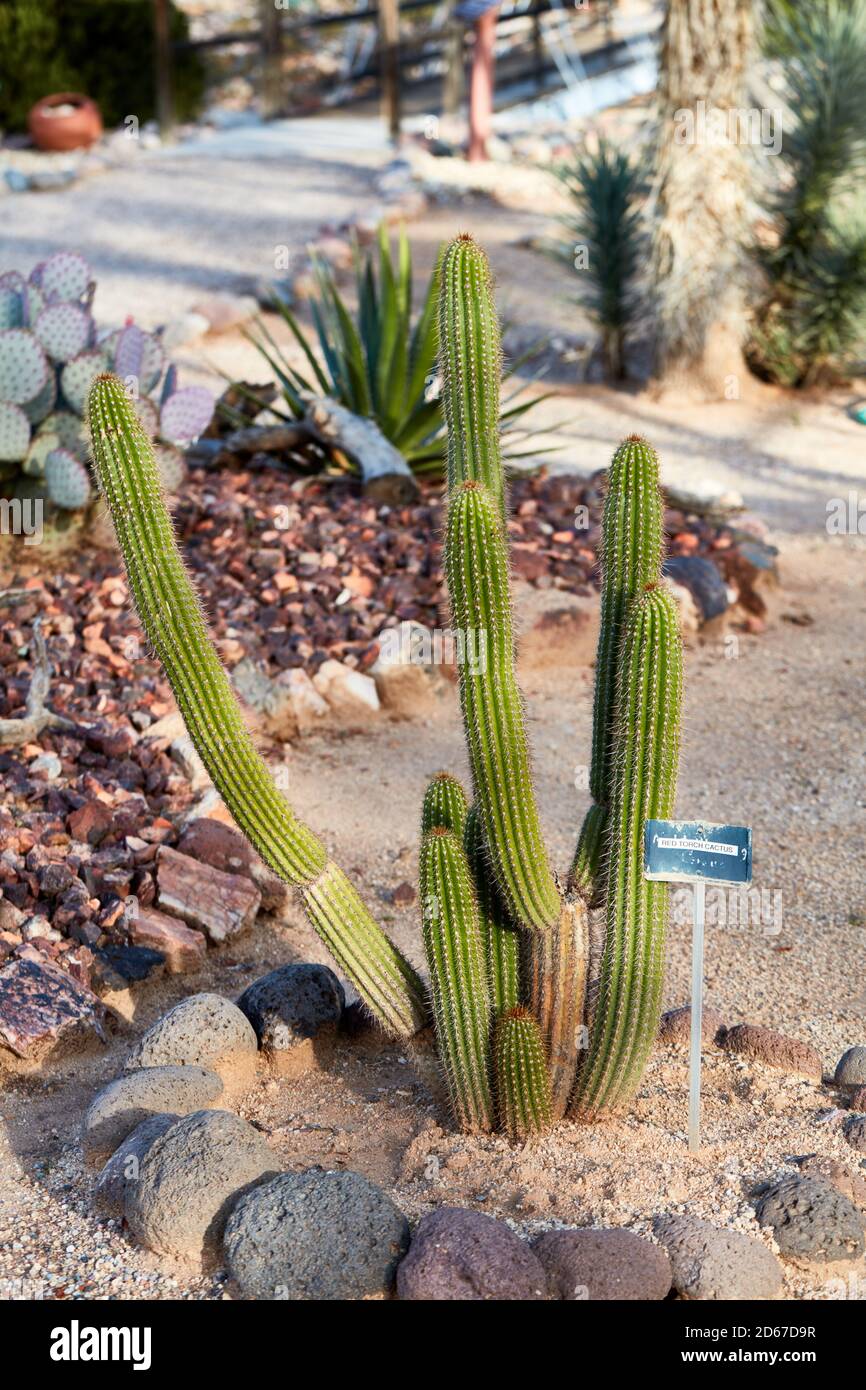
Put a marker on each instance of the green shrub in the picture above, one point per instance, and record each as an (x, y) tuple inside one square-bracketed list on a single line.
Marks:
[(104, 48)]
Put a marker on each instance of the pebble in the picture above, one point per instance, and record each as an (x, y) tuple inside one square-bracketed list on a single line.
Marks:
[(855, 1132), (295, 1012), (330, 1237), (460, 1255), (122, 1105), (189, 1180), (774, 1049), (811, 1220), (603, 1264), (851, 1068), (710, 1263)]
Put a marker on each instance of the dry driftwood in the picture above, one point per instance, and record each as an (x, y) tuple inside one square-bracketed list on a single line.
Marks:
[(36, 717), (386, 475)]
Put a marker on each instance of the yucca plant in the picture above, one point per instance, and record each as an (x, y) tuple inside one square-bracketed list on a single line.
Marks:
[(606, 244), (505, 944), (813, 319), (379, 361)]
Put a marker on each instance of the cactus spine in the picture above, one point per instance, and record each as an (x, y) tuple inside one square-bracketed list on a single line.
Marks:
[(522, 1083), (649, 699), (631, 558), (458, 979), (172, 617), (500, 937), (556, 963)]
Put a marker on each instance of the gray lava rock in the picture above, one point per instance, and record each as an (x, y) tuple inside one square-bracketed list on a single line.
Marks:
[(124, 1166), (855, 1133), (830, 1170), (703, 581), (773, 1050), (710, 1263), (191, 1178), (203, 1030), (464, 1255), (295, 1011), (606, 1264), (811, 1220), (851, 1068), (315, 1236), (125, 1102)]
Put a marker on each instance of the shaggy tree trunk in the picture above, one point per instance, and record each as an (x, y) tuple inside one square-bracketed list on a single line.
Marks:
[(702, 172)]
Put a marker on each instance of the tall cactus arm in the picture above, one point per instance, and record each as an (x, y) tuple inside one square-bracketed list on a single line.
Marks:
[(631, 558), (500, 936), (458, 978), (586, 872), (173, 620), (477, 568), (470, 361), (626, 1017)]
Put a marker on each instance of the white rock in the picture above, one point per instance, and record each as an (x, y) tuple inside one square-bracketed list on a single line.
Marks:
[(690, 618), (187, 328), (189, 762), (308, 707), (351, 694)]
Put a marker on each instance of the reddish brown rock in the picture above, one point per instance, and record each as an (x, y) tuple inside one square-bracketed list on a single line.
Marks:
[(224, 847), (183, 947), (851, 1185), (219, 904), (773, 1050), (676, 1025), (91, 822), (43, 1009)]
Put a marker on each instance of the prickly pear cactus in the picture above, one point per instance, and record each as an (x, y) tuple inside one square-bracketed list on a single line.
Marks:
[(51, 353), (68, 480)]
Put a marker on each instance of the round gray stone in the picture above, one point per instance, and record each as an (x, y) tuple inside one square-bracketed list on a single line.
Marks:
[(709, 1263), (204, 1030), (125, 1102), (295, 1012), (315, 1236), (606, 1264), (124, 1166), (460, 1255), (191, 1177), (811, 1220), (851, 1068)]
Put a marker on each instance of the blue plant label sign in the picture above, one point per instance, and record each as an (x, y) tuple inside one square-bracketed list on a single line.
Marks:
[(679, 851)]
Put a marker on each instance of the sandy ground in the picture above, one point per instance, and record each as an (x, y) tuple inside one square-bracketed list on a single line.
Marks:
[(774, 739)]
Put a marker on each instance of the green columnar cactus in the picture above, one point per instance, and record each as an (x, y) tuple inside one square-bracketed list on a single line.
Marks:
[(631, 558), (649, 699), (172, 617), (500, 936), (556, 967), (522, 1083), (458, 978), (476, 564), (470, 360), (445, 805)]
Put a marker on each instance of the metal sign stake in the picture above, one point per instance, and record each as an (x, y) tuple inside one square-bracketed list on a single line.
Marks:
[(697, 1018)]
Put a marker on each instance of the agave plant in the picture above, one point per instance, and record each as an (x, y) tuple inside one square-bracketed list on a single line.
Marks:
[(379, 362), (505, 941), (813, 318), (606, 243)]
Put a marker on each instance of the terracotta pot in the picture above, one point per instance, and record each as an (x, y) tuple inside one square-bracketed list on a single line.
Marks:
[(64, 121)]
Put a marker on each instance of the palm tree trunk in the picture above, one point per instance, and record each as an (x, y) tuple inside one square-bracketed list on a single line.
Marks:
[(701, 189)]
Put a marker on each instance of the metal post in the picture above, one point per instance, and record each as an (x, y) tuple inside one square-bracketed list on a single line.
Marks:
[(389, 42), (272, 52), (163, 67), (697, 1019)]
